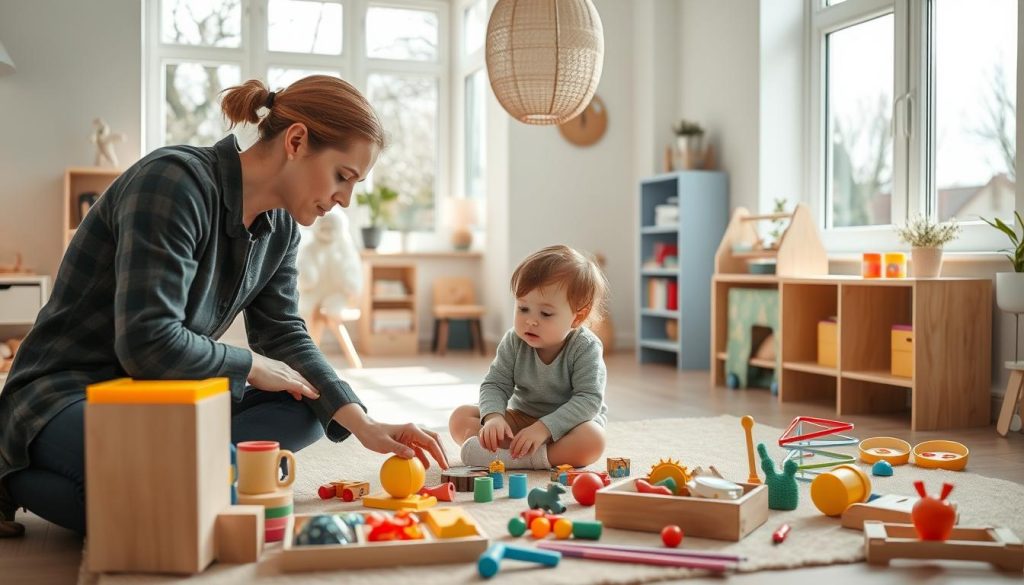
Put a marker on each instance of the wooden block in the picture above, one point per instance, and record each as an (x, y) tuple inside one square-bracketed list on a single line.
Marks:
[(450, 522), (156, 479), (998, 546), (463, 477), (621, 506), (384, 501), (888, 508), (240, 534)]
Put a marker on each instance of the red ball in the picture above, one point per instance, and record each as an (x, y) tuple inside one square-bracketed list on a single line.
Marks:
[(671, 535), (584, 489)]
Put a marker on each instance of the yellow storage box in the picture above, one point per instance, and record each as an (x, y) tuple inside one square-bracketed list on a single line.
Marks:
[(903, 351), (827, 343)]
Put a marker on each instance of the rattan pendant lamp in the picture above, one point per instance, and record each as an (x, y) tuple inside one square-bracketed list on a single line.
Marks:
[(544, 58)]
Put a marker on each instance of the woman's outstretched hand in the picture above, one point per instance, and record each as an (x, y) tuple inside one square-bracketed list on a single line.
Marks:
[(405, 440), (274, 376)]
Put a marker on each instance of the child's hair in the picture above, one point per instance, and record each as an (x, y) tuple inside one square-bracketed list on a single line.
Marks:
[(332, 109), (585, 285)]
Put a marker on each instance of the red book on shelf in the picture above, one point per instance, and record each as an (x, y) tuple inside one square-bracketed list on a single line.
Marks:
[(662, 251), (672, 302)]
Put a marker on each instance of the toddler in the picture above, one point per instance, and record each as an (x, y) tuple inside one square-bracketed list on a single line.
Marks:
[(542, 401)]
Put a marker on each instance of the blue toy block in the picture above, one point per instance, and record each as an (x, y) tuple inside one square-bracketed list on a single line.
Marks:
[(882, 469), (517, 486), (490, 561), (499, 480)]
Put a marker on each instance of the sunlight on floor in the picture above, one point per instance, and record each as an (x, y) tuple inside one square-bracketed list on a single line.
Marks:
[(411, 394)]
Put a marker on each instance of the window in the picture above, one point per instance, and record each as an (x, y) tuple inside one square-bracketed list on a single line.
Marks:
[(472, 89), (398, 59), (912, 113)]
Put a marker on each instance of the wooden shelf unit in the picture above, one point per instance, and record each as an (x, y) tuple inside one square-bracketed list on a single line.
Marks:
[(78, 181), (952, 325), (799, 251), (703, 211), (378, 268)]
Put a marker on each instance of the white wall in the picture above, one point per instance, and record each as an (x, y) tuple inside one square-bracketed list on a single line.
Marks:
[(75, 61), (581, 197), (718, 85)]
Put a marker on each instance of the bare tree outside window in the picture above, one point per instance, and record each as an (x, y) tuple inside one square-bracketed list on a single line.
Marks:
[(860, 78), (975, 102)]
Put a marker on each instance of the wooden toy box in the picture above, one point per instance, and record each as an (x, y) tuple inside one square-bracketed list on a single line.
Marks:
[(621, 506), (431, 550)]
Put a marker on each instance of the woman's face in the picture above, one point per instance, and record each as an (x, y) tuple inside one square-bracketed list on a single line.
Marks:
[(316, 181)]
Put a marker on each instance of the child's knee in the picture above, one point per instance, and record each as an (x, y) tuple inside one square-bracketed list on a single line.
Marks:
[(461, 421)]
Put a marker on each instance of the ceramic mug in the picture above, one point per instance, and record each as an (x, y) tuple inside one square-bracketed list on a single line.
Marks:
[(259, 467)]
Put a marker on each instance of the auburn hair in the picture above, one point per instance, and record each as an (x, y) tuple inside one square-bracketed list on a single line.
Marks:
[(561, 266), (332, 110)]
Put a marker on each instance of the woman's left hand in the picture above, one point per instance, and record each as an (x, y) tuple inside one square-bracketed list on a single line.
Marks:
[(404, 440)]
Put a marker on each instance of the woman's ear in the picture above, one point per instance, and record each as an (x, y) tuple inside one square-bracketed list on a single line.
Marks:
[(296, 140)]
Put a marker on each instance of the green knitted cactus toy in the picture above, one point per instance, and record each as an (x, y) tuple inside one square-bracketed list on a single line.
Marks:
[(783, 493)]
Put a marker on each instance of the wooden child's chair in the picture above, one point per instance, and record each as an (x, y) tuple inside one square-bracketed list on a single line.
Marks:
[(335, 321), (454, 298)]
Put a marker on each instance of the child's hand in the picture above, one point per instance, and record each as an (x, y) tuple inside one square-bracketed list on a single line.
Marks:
[(528, 439), (494, 431)]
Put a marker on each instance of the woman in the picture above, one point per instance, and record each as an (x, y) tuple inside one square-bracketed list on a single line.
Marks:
[(178, 245)]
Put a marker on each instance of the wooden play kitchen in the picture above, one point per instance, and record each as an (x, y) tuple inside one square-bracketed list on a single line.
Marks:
[(948, 347)]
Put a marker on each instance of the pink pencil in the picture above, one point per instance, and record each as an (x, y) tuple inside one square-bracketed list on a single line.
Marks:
[(639, 558), (716, 556)]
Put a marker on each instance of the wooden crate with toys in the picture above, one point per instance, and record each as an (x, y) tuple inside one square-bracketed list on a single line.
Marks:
[(664, 497), (362, 540)]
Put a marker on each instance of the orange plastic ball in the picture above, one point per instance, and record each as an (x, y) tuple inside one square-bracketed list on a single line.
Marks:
[(563, 528), (402, 477), (540, 527)]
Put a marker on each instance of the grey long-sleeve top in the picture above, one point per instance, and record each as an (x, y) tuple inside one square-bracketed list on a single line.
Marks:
[(155, 274), (565, 393)]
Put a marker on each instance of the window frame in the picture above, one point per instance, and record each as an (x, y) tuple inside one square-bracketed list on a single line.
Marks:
[(912, 112), (465, 65), (254, 60)]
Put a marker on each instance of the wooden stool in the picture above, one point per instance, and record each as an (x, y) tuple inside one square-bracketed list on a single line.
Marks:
[(454, 298), (336, 323), (1014, 388)]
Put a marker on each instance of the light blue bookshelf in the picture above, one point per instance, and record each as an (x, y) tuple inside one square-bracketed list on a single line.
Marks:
[(703, 215)]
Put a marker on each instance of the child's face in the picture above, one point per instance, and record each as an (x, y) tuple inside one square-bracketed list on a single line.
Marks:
[(544, 318)]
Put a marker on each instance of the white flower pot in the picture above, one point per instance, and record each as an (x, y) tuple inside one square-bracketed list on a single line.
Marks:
[(926, 262), (1010, 291)]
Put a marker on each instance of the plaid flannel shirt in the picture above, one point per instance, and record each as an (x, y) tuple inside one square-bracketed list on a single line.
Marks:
[(157, 271)]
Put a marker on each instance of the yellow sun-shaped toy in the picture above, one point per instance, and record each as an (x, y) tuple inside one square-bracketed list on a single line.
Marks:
[(666, 468)]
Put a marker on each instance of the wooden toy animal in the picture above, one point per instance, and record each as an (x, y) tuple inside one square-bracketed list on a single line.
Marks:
[(547, 498)]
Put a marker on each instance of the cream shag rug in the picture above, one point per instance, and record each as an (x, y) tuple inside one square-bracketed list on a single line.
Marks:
[(814, 539)]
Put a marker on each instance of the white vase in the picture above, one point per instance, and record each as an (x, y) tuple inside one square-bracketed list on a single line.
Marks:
[(926, 262), (1010, 291)]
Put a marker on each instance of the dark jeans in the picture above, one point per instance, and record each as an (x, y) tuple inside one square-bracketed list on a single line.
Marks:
[(53, 486)]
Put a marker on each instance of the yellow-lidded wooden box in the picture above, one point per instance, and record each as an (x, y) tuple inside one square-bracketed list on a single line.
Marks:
[(157, 471), (827, 343), (903, 351)]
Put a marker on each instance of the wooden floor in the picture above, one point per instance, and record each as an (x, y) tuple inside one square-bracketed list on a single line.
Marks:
[(426, 389)]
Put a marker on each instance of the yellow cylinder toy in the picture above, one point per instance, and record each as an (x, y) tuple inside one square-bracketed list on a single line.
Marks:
[(895, 265), (834, 491)]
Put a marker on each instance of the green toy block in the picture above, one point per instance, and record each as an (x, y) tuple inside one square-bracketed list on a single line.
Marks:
[(587, 529)]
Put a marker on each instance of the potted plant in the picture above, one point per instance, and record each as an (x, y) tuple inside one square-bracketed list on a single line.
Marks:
[(1010, 285), (926, 239), (689, 144), (376, 200)]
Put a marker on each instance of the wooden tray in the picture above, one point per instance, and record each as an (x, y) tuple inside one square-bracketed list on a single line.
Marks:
[(998, 546), (432, 550), (621, 506)]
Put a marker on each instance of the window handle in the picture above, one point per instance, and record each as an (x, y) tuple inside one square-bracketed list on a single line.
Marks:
[(908, 115), (894, 117)]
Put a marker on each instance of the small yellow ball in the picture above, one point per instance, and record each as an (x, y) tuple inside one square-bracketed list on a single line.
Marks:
[(402, 477), (563, 528)]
